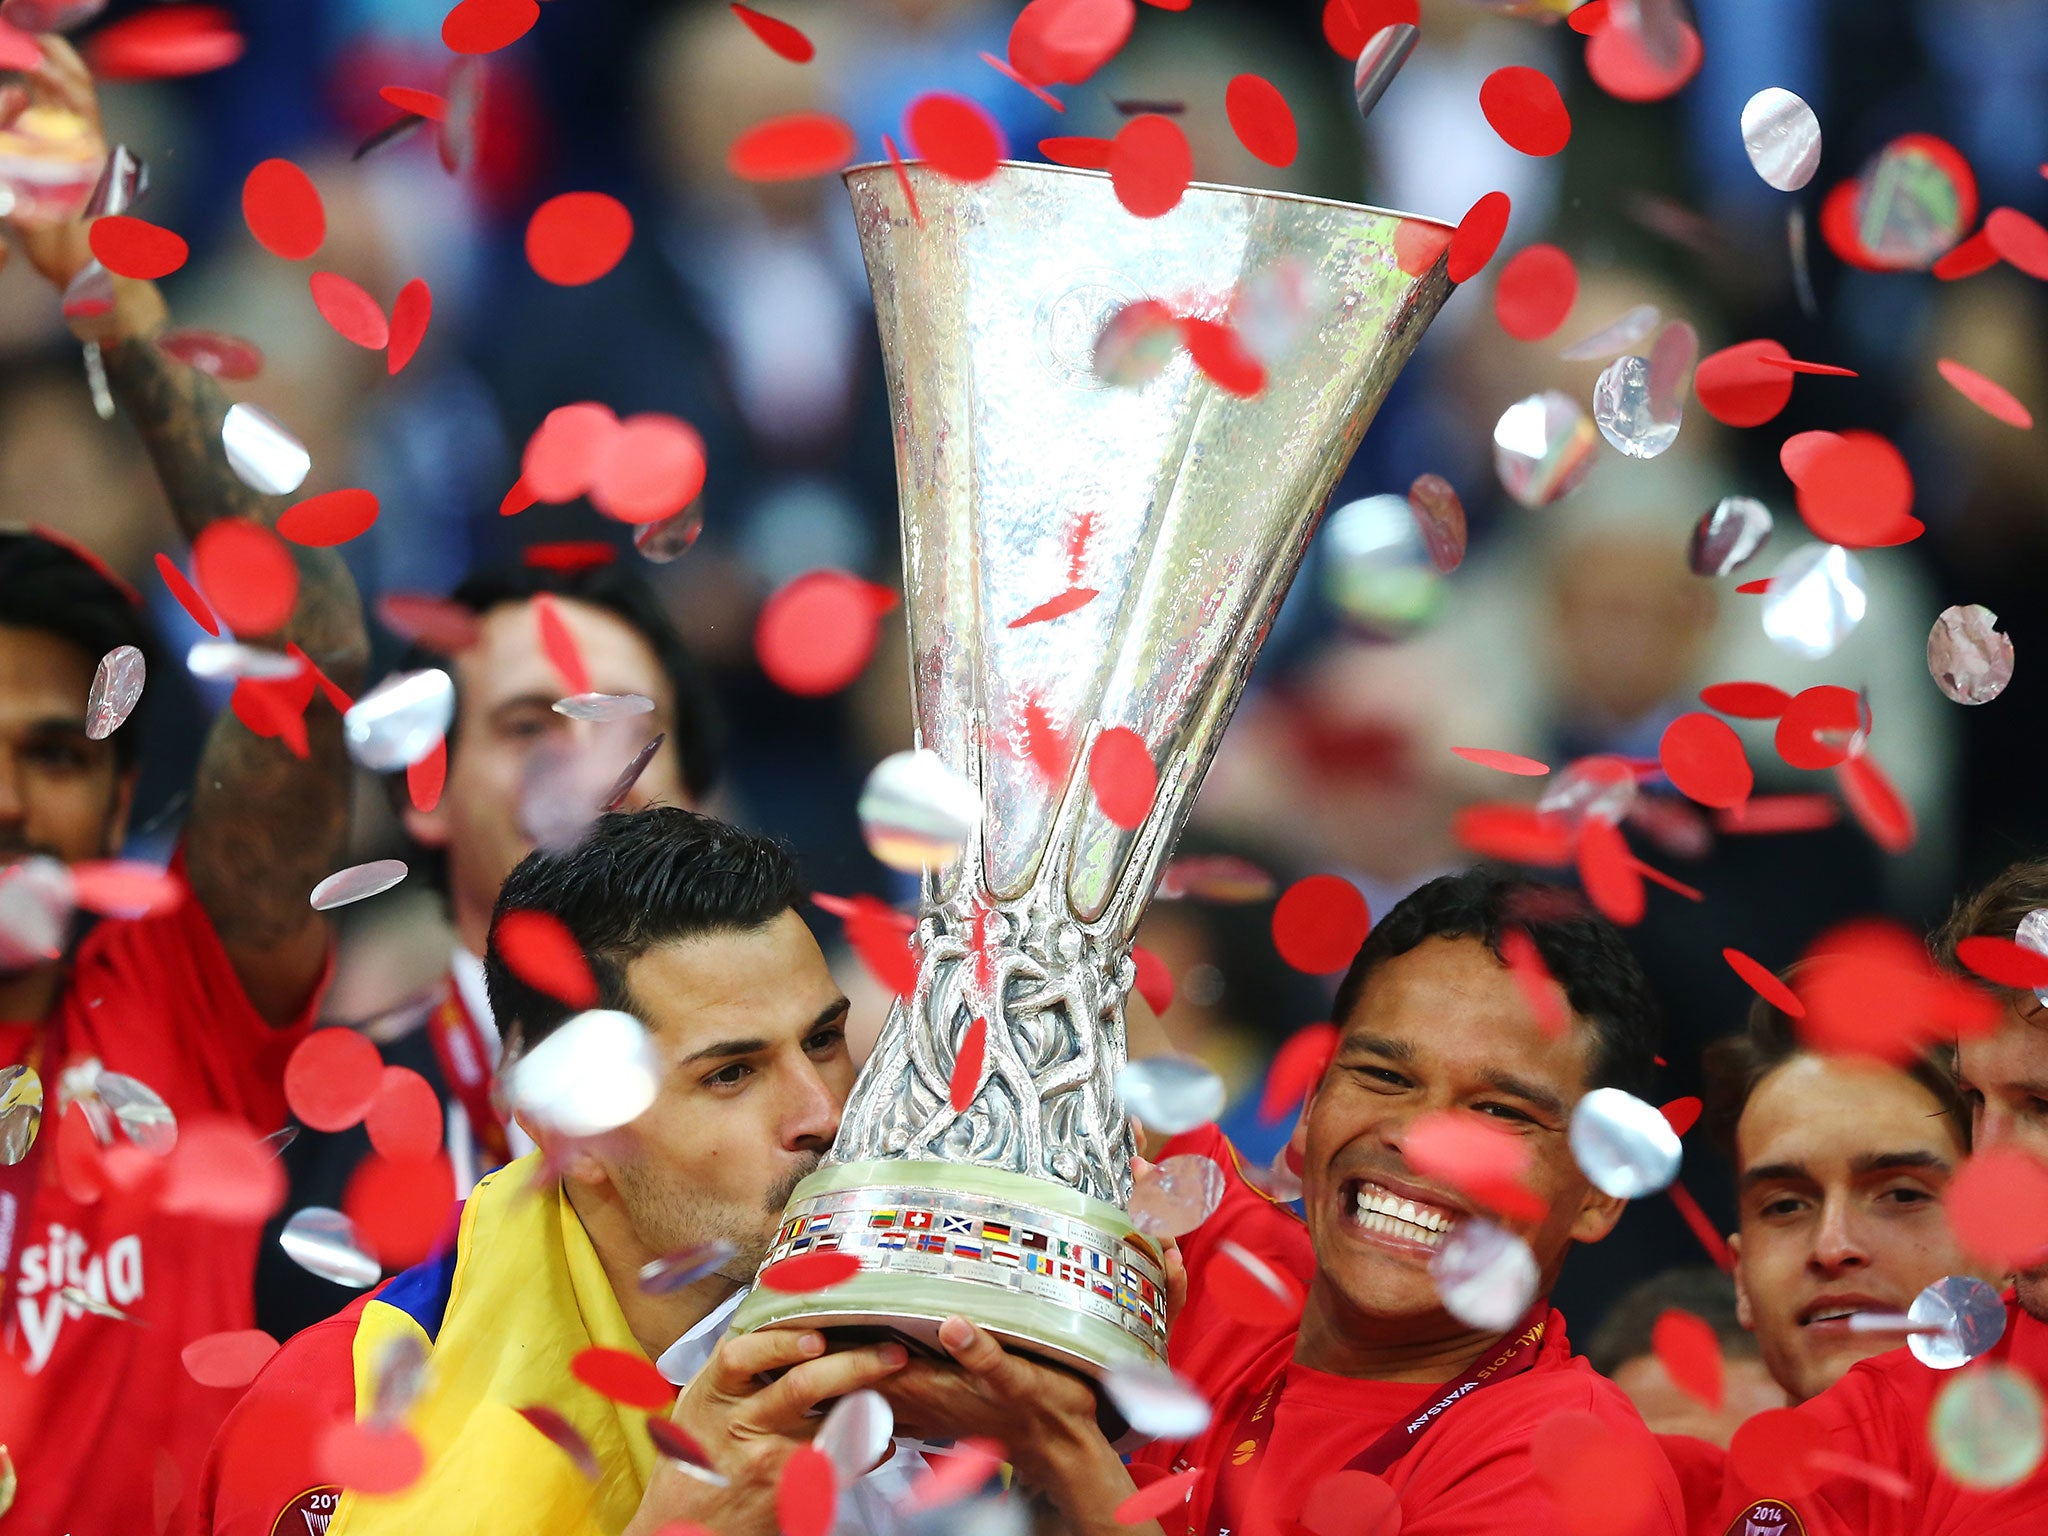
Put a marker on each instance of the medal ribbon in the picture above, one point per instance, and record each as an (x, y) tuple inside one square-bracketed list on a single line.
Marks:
[(465, 1059)]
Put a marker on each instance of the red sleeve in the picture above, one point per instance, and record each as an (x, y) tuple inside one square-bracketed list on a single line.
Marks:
[(1701, 1468), (1867, 1419), (1246, 1217), (261, 1465)]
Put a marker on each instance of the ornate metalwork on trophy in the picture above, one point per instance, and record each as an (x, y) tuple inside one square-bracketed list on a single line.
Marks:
[(1169, 517)]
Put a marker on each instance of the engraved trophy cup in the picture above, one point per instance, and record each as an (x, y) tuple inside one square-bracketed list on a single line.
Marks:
[(1184, 509)]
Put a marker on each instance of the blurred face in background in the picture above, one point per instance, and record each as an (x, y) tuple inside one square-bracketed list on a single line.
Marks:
[(1629, 621), (1840, 1166), (2004, 1078)]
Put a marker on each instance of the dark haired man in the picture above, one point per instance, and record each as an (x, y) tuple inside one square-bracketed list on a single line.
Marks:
[(1376, 1375), (1881, 1413), (691, 926), (200, 1003)]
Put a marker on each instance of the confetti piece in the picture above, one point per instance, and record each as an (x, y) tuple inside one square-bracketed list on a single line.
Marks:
[(1069, 601), (425, 779), (1588, 18), (1997, 1203), (2019, 239), (1800, 365), (967, 1066), (213, 354), (1513, 834), (791, 147), (410, 312), (1476, 1158), (539, 949), (1220, 353), (1064, 42), (1859, 493), (248, 576), (1348, 25), (1623, 66), (817, 633), (577, 237), (1261, 118), (1003, 68), (1816, 725), (1682, 1114), (1874, 800), (353, 314), (1746, 701), (1994, 400), (1768, 814), (405, 1119), (485, 26), (955, 136), (1351, 1503), (283, 210), (558, 641), (1505, 762), (1595, 1479), (1967, 258), (780, 36), (1319, 922), (1153, 982), (1156, 1498), (369, 1458), (400, 1208), (650, 469), (622, 1377), (1082, 154), (1738, 388), (561, 458), (1796, 455), (1764, 984), (425, 104), (332, 1078), (953, 1472), (1535, 292), (326, 520), (1297, 1067), (1250, 1289), (229, 1359), (222, 1170), (1524, 108), (1690, 1353), (1703, 758), (809, 1272), (131, 247), (1122, 775), (1478, 235), (2003, 962), (1613, 881), (165, 42), (1418, 244), (1150, 165)]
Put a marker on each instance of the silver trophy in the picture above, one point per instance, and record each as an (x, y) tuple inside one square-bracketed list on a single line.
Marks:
[(1185, 510)]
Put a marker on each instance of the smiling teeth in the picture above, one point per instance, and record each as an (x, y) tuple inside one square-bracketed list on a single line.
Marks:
[(1378, 1210)]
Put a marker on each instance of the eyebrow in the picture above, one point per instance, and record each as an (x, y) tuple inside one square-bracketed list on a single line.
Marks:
[(753, 1046), (1503, 1082), (1380, 1045), (1869, 1162)]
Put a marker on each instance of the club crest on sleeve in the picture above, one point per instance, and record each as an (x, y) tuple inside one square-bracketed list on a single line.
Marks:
[(308, 1514), (1767, 1517)]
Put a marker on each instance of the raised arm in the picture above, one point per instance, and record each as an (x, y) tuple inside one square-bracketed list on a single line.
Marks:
[(265, 825)]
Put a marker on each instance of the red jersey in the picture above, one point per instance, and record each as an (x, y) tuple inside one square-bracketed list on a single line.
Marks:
[(1471, 1472), (1877, 1415), (1701, 1468), (106, 1428)]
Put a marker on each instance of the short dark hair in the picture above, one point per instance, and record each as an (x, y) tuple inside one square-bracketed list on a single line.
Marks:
[(49, 585), (1993, 911), (1628, 1331), (1587, 955), (1736, 1064), (698, 733), (640, 879)]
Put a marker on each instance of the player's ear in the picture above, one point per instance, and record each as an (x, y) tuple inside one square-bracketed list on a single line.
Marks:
[(1742, 1308)]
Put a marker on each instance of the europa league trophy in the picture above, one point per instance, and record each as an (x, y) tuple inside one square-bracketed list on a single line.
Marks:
[(1184, 509)]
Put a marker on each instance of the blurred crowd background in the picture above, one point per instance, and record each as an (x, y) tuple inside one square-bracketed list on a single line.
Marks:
[(1573, 629)]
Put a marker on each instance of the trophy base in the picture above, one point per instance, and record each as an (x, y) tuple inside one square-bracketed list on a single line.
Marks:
[(1042, 1266)]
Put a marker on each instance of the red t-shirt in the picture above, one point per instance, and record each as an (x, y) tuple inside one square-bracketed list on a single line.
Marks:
[(1472, 1472), (106, 1427), (1701, 1468), (1878, 1415)]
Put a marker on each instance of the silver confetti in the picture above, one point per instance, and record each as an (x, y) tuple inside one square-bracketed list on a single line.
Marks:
[(1136, 344), (1173, 1197), (856, 1434), (1543, 448), (140, 1111), (357, 883), (1672, 356), (1802, 266), (1484, 1274), (1170, 1094), (83, 1299), (1986, 1427), (1815, 600), (1908, 208), (397, 1379), (916, 811), (1276, 1179), (1781, 136), (622, 786), (1156, 1403), (1379, 61), (562, 785), (401, 720), (262, 453), (1624, 1146), (1969, 1317), (673, 1271), (36, 897), (1726, 538), (1274, 308), (594, 1074), (2033, 934), (90, 293), (604, 706), (116, 690), (1971, 662), (1377, 566), (670, 538), (1615, 337), (323, 1242), (220, 660), (21, 1112)]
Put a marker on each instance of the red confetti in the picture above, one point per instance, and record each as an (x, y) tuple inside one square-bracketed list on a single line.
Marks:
[(780, 36), (1764, 984), (1690, 1352), (791, 147), (651, 468), (1319, 922), (1150, 165), (1122, 775), (1993, 399), (221, 357), (902, 173), (1535, 292), (228, 1359), (1815, 728), (1475, 1157), (1349, 25), (1514, 834), (807, 1492), (125, 888), (1738, 389), (131, 247), (1703, 758), (1297, 1067), (1082, 154), (1540, 992), (1775, 1449), (1505, 762), (220, 1169), (562, 456), (354, 315), (1622, 65), (1261, 118), (1871, 990), (1781, 813), (1801, 365), (275, 709), (1860, 493), (2003, 963), (1153, 982), (1064, 42), (370, 1458), (1069, 601), (570, 555), (334, 518), (427, 104), (954, 1472), (2019, 239), (559, 642), (1152, 1501), (18, 49), (1220, 353), (163, 42), (485, 26), (1610, 874), (880, 935), (1478, 236), (623, 1377), (805, 1272), (1877, 805), (283, 210), (1596, 1480), (1524, 108), (1682, 1114), (577, 237), (1998, 1206), (1588, 18), (1746, 701), (1250, 1289), (954, 136), (248, 575), (1418, 243), (967, 1064), (817, 633), (400, 1208), (410, 312), (80, 1165), (1967, 259), (332, 1079), (425, 779), (541, 951), (1799, 451), (1351, 1503), (405, 1119)]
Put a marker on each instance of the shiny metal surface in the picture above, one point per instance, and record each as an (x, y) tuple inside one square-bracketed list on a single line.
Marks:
[(1185, 508)]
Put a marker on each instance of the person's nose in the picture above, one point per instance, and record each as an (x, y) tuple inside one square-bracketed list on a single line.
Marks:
[(1838, 1246), (811, 1114), (1995, 1125)]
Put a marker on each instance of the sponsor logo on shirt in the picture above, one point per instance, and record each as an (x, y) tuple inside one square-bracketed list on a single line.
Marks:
[(308, 1514), (64, 1258)]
